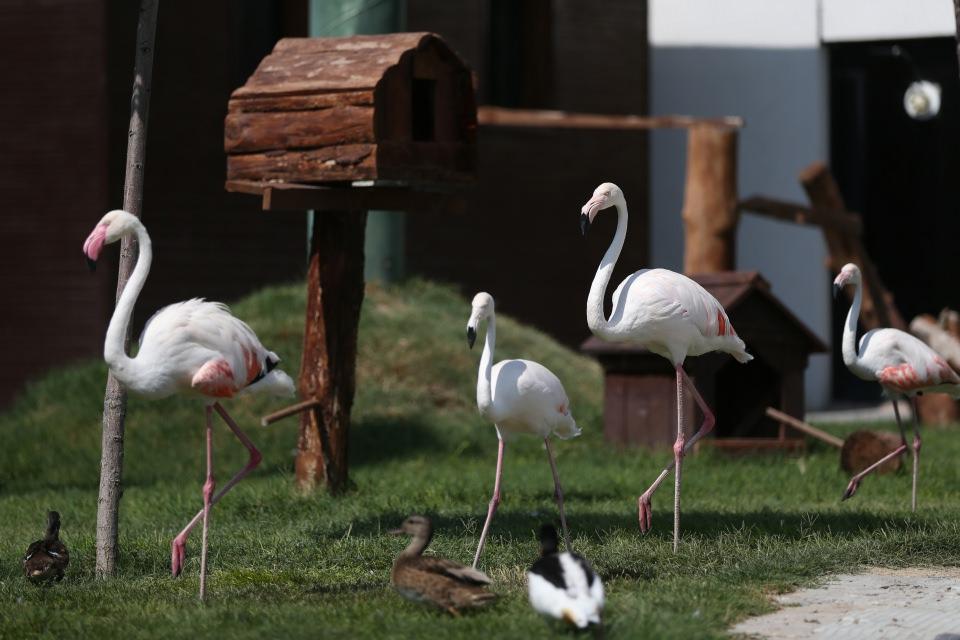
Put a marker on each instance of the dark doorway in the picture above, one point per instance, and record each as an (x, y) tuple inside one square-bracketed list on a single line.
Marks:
[(901, 174)]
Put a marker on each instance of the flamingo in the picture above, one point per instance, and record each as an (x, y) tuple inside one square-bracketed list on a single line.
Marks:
[(666, 313), (520, 397), (194, 347), (901, 363)]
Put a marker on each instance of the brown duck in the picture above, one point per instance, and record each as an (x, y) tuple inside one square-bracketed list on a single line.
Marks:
[(447, 584), (47, 559)]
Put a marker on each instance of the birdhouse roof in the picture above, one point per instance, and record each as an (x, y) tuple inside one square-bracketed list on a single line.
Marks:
[(732, 289), (319, 65)]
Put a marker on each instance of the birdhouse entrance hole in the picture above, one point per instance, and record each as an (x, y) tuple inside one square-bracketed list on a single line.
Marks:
[(424, 94)]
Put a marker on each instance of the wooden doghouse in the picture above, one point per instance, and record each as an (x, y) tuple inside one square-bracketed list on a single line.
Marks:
[(342, 126), (640, 388), (390, 107)]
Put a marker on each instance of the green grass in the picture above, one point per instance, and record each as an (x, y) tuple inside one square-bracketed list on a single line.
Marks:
[(295, 566)]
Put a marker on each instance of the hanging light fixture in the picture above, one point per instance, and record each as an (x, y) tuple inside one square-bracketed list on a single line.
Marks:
[(922, 100)]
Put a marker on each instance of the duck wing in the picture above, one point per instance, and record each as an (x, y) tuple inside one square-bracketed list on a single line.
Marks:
[(453, 570)]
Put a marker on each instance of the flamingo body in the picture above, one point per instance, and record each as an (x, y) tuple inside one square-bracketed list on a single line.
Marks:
[(528, 398), (672, 316)]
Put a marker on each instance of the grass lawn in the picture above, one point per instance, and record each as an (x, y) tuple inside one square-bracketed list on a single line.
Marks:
[(293, 566)]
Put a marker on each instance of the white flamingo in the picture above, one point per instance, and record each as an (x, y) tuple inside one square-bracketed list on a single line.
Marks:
[(519, 396), (901, 363), (192, 347), (667, 313)]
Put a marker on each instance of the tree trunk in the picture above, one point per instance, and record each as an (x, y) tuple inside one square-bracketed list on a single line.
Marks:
[(327, 374), (710, 199), (115, 398)]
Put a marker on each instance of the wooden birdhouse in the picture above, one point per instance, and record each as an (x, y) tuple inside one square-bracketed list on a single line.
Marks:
[(640, 387), (396, 107)]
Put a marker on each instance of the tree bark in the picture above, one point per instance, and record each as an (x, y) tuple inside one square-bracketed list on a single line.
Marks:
[(115, 398), (710, 199), (327, 374)]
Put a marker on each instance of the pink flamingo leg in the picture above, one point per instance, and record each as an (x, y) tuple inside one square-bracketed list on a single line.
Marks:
[(855, 480), (916, 454), (208, 488), (558, 494), (709, 420), (494, 502), (178, 553)]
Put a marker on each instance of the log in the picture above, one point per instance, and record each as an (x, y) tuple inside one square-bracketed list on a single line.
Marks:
[(301, 102), (347, 162), (115, 398), (878, 309), (844, 222), (327, 374), (710, 199), (803, 427), (246, 132)]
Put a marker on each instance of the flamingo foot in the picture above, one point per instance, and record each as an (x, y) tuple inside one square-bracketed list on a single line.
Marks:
[(645, 511), (851, 489), (178, 555)]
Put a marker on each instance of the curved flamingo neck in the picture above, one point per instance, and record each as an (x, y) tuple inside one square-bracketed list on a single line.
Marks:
[(849, 344), (485, 372), (598, 290), (114, 351)]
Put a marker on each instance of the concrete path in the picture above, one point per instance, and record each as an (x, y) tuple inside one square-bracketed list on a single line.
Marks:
[(921, 603)]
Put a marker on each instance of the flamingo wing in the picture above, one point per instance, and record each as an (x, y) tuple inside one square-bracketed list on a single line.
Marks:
[(903, 362)]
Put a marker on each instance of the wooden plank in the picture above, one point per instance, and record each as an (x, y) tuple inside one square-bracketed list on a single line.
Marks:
[(803, 427), (347, 162), (246, 132), (301, 102), (503, 117), (843, 221)]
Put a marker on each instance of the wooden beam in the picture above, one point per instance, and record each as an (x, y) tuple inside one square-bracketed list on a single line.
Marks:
[(842, 221), (803, 427), (503, 117)]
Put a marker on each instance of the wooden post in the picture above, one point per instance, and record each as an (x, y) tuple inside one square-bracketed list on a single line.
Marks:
[(334, 297), (878, 309), (710, 199), (115, 398)]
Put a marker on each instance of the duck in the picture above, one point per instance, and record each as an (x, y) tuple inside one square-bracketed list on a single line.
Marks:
[(428, 579), (47, 559), (563, 585)]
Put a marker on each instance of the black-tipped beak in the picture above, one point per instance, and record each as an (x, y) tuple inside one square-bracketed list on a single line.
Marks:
[(584, 224), (836, 290), (91, 264), (471, 336)]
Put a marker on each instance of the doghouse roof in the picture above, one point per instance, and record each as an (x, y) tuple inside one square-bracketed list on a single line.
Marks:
[(738, 292), (318, 65)]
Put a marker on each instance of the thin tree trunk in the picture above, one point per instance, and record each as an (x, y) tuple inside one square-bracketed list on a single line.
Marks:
[(115, 399)]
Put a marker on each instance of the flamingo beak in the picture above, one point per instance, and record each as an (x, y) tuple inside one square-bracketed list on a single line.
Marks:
[(94, 244), (589, 211), (471, 336), (837, 288), (584, 224)]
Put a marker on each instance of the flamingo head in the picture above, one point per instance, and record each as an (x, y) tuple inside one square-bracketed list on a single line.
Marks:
[(482, 308), (605, 196), (849, 274), (111, 228)]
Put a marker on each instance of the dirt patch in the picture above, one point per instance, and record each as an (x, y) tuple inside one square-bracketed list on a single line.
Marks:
[(918, 602)]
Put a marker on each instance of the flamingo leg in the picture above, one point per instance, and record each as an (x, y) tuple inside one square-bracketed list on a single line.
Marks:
[(208, 488), (494, 502), (709, 420), (179, 545), (558, 494), (855, 480), (916, 454)]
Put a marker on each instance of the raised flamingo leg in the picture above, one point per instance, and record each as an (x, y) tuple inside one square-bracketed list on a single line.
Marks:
[(558, 494), (643, 502), (208, 488), (492, 508), (916, 454), (855, 480), (179, 544)]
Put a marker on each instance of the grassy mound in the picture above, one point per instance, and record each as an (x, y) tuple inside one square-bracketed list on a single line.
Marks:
[(289, 565)]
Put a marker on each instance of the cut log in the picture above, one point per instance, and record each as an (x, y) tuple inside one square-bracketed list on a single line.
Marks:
[(347, 162), (710, 199), (862, 448), (246, 132), (301, 102)]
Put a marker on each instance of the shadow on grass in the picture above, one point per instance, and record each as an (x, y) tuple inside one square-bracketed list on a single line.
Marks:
[(381, 439)]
